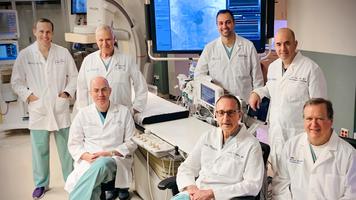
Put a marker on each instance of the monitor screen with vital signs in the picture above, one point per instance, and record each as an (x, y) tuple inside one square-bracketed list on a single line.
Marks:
[(208, 93), (8, 52)]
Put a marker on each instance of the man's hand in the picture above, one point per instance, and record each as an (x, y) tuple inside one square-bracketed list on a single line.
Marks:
[(64, 95), (32, 98), (254, 101), (191, 189), (203, 195), (108, 153), (89, 157)]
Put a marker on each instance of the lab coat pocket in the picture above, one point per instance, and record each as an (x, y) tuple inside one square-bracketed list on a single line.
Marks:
[(229, 164), (121, 77), (61, 105), (334, 186), (297, 91), (91, 131), (37, 107)]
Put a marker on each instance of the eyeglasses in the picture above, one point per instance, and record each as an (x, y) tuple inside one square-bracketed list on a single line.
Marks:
[(230, 113)]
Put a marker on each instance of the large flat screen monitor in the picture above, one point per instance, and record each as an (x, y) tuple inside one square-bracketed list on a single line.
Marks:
[(9, 26), (78, 7), (186, 26)]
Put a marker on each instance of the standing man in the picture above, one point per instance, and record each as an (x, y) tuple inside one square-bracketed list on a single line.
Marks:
[(230, 61), (291, 81), (227, 160), (120, 70), (100, 143), (316, 164), (45, 76)]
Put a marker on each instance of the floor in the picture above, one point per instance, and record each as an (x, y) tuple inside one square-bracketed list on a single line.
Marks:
[(16, 169)]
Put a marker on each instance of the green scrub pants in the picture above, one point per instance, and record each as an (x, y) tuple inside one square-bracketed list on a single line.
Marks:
[(88, 186), (40, 155)]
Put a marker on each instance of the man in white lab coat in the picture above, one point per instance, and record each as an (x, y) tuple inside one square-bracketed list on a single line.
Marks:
[(100, 144), (45, 76), (119, 69), (230, 61), (291, 81), (316, 164), (227, 160)]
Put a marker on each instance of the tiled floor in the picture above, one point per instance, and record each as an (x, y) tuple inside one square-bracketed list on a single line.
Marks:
[(16, 169)]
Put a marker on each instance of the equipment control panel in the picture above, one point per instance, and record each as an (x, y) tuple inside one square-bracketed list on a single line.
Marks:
[(153, 144)]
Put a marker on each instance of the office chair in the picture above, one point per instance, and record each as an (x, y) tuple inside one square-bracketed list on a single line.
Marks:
[(170, 183), (350, 141)]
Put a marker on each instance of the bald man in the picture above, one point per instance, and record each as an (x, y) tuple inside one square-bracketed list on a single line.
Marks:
[(100, 144), (291, 81)]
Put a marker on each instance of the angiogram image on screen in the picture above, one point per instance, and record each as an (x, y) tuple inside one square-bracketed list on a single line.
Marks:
[(190, 19), (186, 26)]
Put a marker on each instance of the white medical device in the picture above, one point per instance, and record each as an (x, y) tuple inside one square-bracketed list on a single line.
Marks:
[(208, 93)]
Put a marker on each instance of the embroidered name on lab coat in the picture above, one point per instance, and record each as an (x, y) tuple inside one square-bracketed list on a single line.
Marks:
[(59, 61), (295, 161), (33, 63), (236, 154), (301, 79), (210, 146), (118, 67), (271, 79)]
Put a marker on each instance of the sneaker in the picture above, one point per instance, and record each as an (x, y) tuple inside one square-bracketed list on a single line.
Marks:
[(38, 192), (111, 194), (124, 193)]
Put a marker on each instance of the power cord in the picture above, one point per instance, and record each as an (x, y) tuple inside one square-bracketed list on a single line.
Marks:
[(6, 110), (148, 175)]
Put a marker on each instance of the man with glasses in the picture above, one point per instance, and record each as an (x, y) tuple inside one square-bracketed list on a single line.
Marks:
[(100, 144), (227, 160)]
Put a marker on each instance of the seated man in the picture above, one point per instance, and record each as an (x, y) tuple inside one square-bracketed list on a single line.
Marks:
[(100, 144), (227, 160), (316, 164)]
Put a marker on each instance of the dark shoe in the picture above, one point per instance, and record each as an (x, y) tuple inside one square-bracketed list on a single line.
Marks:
[(38, 192), (111, 194), (124, 193)]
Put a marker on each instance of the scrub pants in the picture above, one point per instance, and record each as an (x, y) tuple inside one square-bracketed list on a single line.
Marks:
[(40, 155), (88, 186)]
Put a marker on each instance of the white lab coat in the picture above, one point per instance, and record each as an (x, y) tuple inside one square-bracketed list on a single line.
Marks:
[(32, 73), (235, 169), (302, 81), (89, 134), (239, 75), (121, 71), (331, 177)]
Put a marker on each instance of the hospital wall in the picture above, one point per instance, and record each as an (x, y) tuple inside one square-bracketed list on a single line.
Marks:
[(326, 33)]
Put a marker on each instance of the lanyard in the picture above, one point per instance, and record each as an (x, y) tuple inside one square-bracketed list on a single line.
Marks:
[(312, 153)]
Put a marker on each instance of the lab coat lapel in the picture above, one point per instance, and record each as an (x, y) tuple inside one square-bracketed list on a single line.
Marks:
[(328, 153), (111, 115), (236, 48), (305, 151)]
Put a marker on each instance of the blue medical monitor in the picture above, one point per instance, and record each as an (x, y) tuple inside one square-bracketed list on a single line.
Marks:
[(8, 52), (78, 7), (9, 26), (208, 93), (186, 26)]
